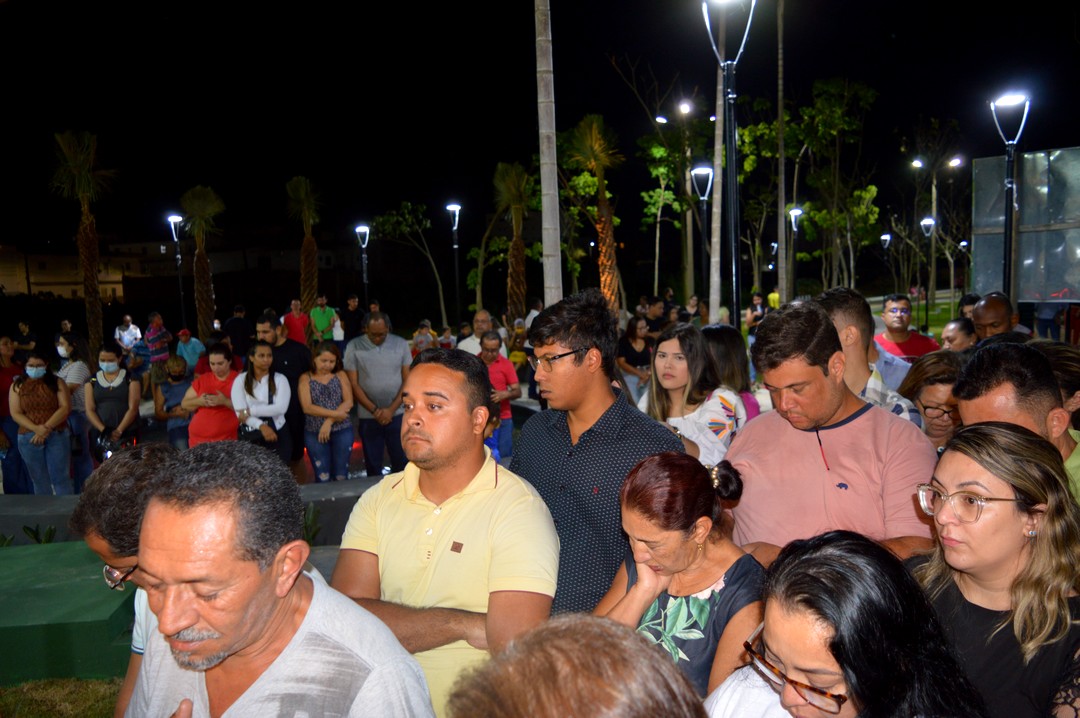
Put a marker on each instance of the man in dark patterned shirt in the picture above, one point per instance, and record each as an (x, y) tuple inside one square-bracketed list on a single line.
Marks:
[(579, 451)]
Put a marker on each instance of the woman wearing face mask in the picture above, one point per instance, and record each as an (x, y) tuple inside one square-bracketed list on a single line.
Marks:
[(76, 372), (112, 399), (40, 406), (848, 633), (168, 398), (685, 393)]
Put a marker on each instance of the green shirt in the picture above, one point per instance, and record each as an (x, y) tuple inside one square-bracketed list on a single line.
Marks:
[(1072, 466), (322, 322)]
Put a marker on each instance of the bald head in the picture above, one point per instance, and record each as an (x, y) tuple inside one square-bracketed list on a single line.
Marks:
[(993, 314)]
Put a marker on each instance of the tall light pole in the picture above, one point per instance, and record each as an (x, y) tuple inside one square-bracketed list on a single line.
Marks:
[(1012, 99), (929, 230), (918, 164), (363, 235), (685, 107), (175, 219), (795, 213), (731, 155), (455, 212), (702, 178)]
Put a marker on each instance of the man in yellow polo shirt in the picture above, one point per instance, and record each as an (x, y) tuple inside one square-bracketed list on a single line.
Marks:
[(456, 554)]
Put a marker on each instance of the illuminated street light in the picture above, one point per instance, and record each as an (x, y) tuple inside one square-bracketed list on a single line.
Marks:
[(1012, 99), (886, 240), (174, 220), (731, 177), (455, 213), (363, 234), (702, 178)]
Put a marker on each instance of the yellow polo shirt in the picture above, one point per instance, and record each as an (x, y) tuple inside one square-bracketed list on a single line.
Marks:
[(496, 535)]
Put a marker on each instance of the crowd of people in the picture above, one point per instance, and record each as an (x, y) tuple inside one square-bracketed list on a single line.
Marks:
[(897, 535)]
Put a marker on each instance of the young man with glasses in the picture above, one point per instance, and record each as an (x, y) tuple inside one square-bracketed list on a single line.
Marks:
[(578, 452), (107, 516), (897, 338)]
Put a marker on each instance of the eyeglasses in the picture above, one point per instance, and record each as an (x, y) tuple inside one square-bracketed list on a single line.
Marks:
[(823, 700), (899, 310), (936, 412), (115, 577), (966, 506), (536, 362)]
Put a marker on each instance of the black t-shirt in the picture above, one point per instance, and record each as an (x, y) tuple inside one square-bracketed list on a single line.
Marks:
[(352, 321), (632, 356), (240, 332), (996, 666)]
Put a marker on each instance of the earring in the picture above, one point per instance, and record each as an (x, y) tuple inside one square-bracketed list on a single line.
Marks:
[(1032, 533), (700, 548)]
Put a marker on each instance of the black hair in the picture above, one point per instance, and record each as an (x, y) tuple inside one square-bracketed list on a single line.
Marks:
[(968, 300), (580, 322), (114, 497), (728, 350), (251, 480), (965, 325), (673, 490), (798, 330), (853, 309), (1024, 367), (80, 350), (886, 638), (50, 379), (219, 348), (249, 375), (895, 298), (477, 379)]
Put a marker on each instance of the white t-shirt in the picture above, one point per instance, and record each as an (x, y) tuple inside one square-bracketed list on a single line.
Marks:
[(745, 694)]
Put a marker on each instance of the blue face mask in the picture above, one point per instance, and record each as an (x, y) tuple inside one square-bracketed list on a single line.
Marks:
[(35, 372), (109, 367)]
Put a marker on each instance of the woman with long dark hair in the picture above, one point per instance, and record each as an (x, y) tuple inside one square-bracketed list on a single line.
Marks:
[(634, 357), (849, 633), (112, 399), (728, 350), (40, 405), (326, 398), (687, 395), (261, 398), (1003, 573), (684, 584)]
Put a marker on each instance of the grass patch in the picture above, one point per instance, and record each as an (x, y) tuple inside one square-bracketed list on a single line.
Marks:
[(60, 697)]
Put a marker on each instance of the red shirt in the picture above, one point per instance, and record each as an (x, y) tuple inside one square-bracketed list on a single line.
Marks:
[(502, 374), (212, 423), (297, 327), (915, 346)]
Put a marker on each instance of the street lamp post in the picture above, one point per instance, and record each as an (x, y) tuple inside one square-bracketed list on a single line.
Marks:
[(731, 175), (175, 219), (1012, 99), (929, 230), (363, 235), (455, 213), (795, 213), (952, 163), (702, 178)]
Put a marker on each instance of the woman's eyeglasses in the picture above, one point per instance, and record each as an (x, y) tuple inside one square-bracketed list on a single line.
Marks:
[(823, 700)]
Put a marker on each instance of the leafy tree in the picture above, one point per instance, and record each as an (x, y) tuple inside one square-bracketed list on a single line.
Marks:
[(591, 148), (658, 159), (492, 251), (78, 177), (201, 205), (407, 226), (832, 128), (511, 195), (304, 206)]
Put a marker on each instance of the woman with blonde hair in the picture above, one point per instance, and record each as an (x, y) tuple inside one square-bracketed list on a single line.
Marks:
[(1003, 574), (686, 393)]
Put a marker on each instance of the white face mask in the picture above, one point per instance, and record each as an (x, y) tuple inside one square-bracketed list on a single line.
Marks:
[(63, 352)]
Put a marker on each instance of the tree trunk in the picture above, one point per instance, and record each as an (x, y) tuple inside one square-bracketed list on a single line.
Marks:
[(549, 182), (605, 232), (87, 242), (515, 279), (309, 272), (781, 198), (204, 290)]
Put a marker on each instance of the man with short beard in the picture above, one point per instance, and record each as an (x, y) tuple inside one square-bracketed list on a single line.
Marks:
[(250, 632)]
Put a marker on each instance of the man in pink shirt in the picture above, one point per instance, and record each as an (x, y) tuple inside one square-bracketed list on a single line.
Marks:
[(824, 459), (504, 380)]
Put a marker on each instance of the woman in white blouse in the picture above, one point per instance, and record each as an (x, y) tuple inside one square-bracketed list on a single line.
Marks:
[(261, 400)]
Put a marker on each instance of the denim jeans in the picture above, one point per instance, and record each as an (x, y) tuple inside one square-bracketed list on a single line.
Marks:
[(49, 464), (16, 478), (377, 438), (329, 460), (82, 463), (506, 439)]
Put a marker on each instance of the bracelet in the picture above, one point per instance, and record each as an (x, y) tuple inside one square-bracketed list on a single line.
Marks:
[(676, 430)]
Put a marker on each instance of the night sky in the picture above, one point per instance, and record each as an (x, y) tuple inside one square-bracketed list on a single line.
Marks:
[(382, 102)]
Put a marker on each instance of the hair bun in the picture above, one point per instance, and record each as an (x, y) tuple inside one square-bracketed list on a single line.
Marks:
[(726, 480)]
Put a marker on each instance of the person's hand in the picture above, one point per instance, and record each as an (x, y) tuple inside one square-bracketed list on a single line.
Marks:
[(383, 415), (184, 709), (643, 374), (324, 431), (341, 415), (40, 432), (37, 439), (268, 433), (209, 400), (495, 396), (651, 582), (116, 434)]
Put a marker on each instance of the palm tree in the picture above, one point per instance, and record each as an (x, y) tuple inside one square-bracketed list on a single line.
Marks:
[(592, 149), (80, 179), (304, 205), (201, 205), (511, 182)]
